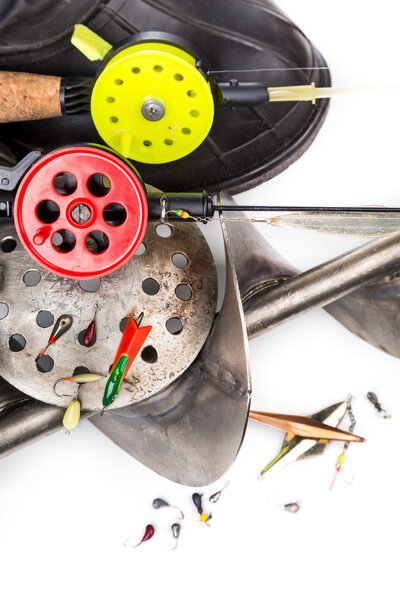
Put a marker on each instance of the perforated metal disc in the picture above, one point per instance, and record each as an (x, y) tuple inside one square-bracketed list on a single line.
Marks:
[(173, 281)]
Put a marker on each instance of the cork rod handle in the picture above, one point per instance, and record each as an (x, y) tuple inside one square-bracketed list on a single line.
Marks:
[(25, 97)]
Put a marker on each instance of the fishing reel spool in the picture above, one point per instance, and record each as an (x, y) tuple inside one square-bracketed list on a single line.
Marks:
[(81, 212), (61, 212), (152, 99)]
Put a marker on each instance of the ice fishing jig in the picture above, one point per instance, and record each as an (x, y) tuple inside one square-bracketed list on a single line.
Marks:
[(153, 99), (131, 343), (89, 337), (373, 398), (73, 414), (176, 530), (292, 507), (148, 534), (61, 326), (342, 456), (160, 503), (204, 517), (217, 495), (79, 378)]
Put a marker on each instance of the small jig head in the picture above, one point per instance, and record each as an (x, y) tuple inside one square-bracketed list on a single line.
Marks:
[(72, 415), (342, 456), (196, 497), (176, 530), (79, 378), (182, 214), (148, 534), (204, 517), (160, 503), (338, 468), (373, 398), (61, 326), (215, 497), (292, 507), (89, 336)]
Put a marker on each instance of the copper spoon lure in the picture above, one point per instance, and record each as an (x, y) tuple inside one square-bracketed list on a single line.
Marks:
[(304, 426)]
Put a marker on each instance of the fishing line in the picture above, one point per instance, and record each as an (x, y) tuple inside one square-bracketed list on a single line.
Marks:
[(271, 69)]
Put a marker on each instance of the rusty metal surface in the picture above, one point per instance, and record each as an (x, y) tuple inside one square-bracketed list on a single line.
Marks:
[(119, 294), (192, 431)]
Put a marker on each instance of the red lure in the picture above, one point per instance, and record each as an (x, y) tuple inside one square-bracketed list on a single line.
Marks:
[(90, 334), (148, 534)]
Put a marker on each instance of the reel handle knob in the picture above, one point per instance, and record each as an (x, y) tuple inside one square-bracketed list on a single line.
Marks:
[(40, 237)]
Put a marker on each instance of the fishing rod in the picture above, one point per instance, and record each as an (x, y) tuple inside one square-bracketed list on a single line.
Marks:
[(153, 98), (82, 211), (319, 209)]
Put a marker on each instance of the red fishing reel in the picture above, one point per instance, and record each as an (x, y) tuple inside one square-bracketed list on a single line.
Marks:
[(81, 212)]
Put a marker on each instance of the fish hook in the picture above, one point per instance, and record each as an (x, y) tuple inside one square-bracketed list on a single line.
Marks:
[(55, 385), (349, 482)]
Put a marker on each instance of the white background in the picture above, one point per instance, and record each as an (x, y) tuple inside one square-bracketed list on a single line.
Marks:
[(67, 503)]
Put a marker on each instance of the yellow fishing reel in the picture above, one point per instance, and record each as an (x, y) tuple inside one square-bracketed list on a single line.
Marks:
[(152, 100)]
